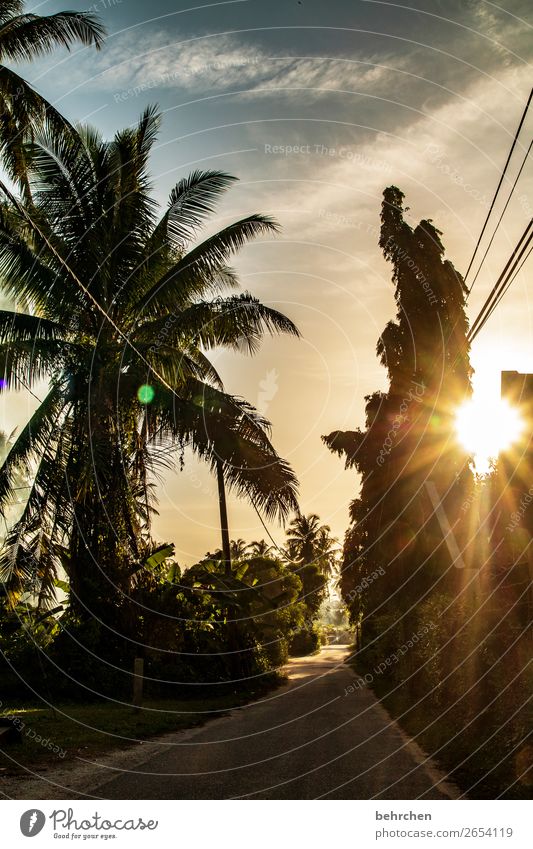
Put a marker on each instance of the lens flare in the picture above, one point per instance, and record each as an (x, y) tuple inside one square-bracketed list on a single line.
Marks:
[(146, 394), (485, 429)]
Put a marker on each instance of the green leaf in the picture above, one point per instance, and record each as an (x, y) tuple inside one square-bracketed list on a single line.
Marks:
[(159, 555)]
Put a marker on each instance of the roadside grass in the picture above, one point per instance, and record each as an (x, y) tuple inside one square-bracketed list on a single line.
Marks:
[(53, 736)]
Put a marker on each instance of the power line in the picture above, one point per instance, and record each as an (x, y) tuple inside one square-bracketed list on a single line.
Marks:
[(502, 275), (508, 285), (512, 266), (501, 216), (501, 283), (499, 184), (517, 272)]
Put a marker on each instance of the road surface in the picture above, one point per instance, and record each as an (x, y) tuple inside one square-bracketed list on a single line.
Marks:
[(319, 736)]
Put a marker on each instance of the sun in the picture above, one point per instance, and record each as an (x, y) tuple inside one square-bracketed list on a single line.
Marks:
[(486, 427)]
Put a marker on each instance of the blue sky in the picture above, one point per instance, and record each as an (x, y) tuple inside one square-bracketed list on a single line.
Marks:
[(316, 107)]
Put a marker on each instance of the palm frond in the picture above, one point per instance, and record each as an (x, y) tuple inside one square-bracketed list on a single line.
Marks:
[(196, 273), (191, 203), (238, 322), (26, 37), (219, 427), (10, 9), (21, 327), (25, 363), (32, 442)]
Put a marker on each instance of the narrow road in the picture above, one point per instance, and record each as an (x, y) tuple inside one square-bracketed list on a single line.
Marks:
[(319, 736), (310, 739)]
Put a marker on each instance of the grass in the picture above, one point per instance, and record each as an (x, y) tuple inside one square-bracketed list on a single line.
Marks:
[(51, 737)]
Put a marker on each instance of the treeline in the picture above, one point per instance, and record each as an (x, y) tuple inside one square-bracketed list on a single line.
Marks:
[(219, 626)]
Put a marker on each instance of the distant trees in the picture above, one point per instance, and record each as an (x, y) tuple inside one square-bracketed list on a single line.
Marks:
[(238, 548), (255, 610), (408, 442), (310, 557)]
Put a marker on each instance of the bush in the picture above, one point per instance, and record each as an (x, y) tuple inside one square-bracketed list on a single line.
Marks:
[(306, 641)]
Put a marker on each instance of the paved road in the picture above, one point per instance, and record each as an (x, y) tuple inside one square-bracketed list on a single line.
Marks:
[(307, 740)]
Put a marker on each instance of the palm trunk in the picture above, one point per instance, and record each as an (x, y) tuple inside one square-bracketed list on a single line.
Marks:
[(223, 518)]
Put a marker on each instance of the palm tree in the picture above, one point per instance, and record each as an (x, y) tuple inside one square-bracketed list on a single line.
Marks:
[(310, 550), (327, 552), (126, 303), (302, 536), (25, 36), (238, 548), (309, 541), (260, 548)]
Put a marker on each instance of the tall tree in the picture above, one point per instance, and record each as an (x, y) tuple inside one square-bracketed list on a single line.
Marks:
[(126, 305), (407, 455), (25, 36)]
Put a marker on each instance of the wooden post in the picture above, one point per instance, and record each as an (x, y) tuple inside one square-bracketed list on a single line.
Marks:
[(226, 551), (138, 682)]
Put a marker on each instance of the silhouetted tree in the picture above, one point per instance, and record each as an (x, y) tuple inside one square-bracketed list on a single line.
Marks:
[(407, 455), (260, 548)]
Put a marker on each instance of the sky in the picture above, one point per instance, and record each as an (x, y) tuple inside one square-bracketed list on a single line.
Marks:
[(317, 107)]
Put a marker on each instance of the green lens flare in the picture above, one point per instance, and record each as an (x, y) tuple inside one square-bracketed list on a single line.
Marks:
[(146, 394)]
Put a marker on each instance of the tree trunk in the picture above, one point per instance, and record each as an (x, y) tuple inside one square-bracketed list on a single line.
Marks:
[(223, 518)]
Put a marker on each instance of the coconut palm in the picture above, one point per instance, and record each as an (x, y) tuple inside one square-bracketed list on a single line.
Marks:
[(310, 550), (308, 541), (327, 551), (259, 548), (25, 36), (302, 536), (238, 548), (126, 303)]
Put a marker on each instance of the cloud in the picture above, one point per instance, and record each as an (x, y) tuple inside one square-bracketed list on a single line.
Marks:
[(129, 67), (408, 63)]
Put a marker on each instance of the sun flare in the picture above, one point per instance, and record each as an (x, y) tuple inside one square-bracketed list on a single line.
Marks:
[(486, 428)]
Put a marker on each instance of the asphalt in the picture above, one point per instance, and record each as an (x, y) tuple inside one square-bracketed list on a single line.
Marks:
[(320, 736)]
